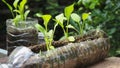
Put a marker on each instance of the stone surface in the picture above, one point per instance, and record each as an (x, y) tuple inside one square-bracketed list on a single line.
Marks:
[(112, 62)]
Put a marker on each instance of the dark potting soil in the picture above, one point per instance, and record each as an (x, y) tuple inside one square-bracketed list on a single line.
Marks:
[(26, 37), (91, 35)]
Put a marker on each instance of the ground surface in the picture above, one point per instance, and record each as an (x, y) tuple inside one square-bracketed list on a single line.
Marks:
[(112, 62)]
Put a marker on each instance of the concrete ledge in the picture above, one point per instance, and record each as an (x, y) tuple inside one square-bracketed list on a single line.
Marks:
[(112, 62)]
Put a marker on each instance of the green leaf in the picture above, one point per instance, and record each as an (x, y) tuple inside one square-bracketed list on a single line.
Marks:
[(40, 28), (71, 38), (46, 19), (16, 20), (22, 5), (60, 19), (17, 11), (56, 24), (86, 3), (118, 51), (75, 17), (70, 26), (51, 47), (26, 13), (92, 5), (68, 10), (15, 4), (85, 16), (50, 33), (38, 15)]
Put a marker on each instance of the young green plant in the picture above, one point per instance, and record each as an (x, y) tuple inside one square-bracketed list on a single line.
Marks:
[(48, 34), (80, 23), (60, 20), (18, 10)]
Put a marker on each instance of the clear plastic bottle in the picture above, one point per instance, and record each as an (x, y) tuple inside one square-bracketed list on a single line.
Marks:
[(24, 34)]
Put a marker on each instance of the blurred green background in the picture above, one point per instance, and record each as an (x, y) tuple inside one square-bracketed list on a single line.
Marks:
[(105, 15)]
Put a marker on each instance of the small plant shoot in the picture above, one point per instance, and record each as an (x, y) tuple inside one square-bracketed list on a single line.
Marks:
[(61, 18), (81, 23), (18, 11), (48, 34)]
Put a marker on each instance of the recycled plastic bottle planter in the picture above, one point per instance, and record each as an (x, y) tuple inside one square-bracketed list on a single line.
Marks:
[(86, 50), (24, 33)]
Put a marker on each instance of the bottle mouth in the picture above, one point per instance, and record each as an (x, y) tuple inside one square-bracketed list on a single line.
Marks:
[(22, 24)]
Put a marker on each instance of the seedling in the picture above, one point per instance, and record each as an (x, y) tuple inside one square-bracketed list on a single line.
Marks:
[(61, 18), (18, 10), (81, 23), (48, 34)]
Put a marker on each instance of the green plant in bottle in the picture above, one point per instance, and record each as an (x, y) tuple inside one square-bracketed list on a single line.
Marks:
[(18, 11), (65, 17), (81, 23), (48, 34)]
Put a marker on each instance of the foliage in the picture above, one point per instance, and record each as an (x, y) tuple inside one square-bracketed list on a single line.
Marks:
[(81, 24), (18, 10), (48, 35), (60, 20), (104, 15)]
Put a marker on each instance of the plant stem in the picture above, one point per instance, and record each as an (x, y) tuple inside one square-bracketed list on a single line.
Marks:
[(13, 14), (65, 33), (79, 28), (47, 42), (67, 29)]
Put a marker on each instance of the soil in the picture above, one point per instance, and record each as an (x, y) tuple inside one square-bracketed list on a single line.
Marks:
[(91, 35)]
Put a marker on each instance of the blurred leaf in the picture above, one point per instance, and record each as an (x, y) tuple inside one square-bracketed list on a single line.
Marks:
[(17, 11), (92, 6), (17, 19), (46, 19), (50, 33), (68, 10), (40, 28), (51, 47), (15, 4), (38, 15), (70, 26), (112, 30), (26, 13), (118, 51), (59, 19), (75, 17), (86, 3), (85, 16), (71, 38), (22, 5)]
